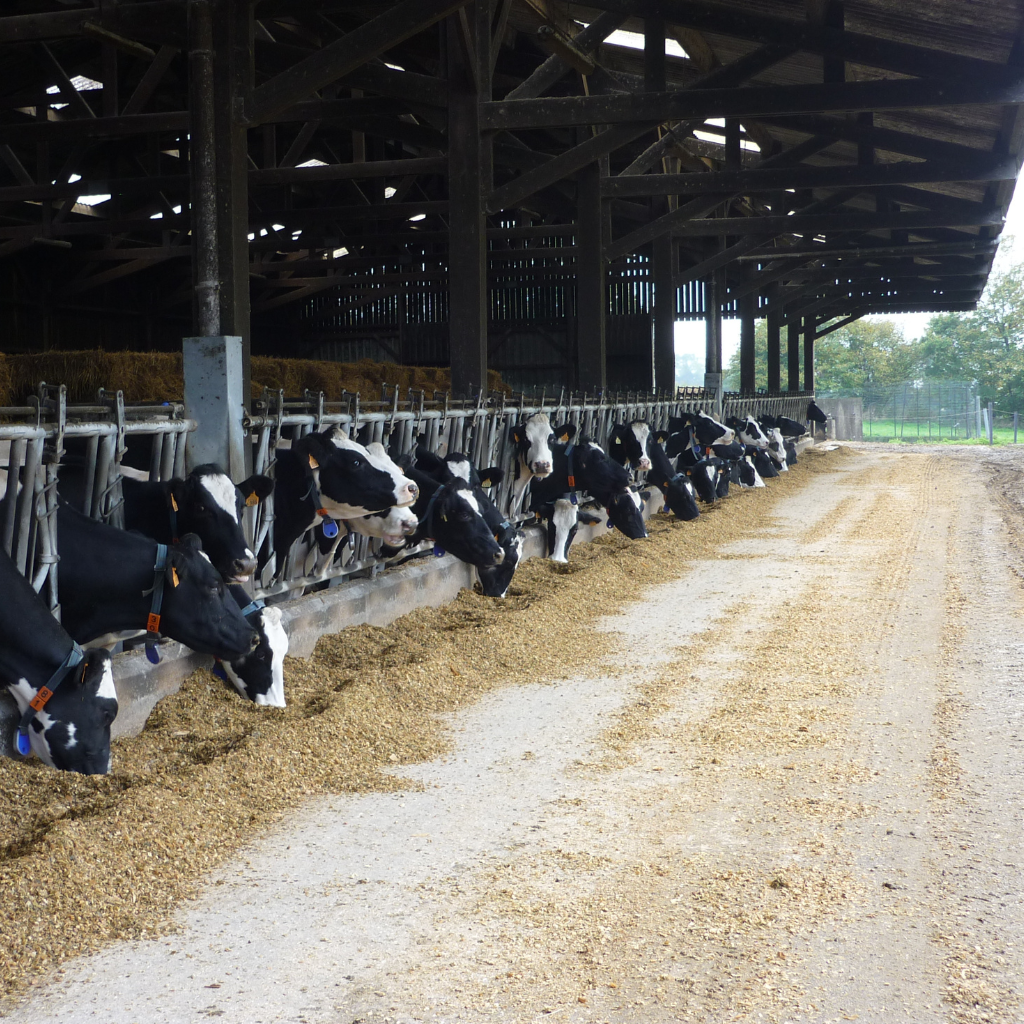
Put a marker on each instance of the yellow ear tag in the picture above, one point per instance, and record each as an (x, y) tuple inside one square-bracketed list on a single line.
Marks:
[(618, 440), (174, 504), (564, 438), (313, 464), (253, 499), (485, 483), (174, 576)]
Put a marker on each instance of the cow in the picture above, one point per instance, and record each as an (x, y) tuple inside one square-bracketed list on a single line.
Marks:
[(584, 467), (705, 430), (763, 463), (325, 477), (531, 440), (65, 696), (789, 428), (748, 431), (205, 503), (777, 448), (676, 489), (817, 417), (791, 453), (259, 675), (110, 581), (627, 444)]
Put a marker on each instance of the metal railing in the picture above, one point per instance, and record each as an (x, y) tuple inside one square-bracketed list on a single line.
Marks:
[(33, 438), (30, 453)]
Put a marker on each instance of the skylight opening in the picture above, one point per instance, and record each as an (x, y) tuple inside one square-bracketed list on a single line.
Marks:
[(92, 200), (635, 41), (418, 216), (389, 192), (338, 253), (313, 163)]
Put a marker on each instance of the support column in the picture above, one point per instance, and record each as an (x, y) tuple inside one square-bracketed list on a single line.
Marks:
[(233, 84), (663, 272), (591, 298), (714, 287), (774, 340), (793, 353), (748, 362), (809, 330), (467, 246)]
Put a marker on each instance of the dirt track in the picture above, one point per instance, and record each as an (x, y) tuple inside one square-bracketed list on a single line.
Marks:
[(788, 787)]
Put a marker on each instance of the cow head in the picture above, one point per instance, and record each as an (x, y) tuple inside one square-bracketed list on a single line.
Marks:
[(627, 442), (625, 513), (533, 439), (704, 477), (259, 675), (209, 505), (495, 580), (777, 448), (748, 431), (392, 526), (72, 731), (351, 480), (198, 609), (763, 464), (454, 520)]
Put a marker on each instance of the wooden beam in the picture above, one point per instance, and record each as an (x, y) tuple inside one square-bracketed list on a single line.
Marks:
[(352, 50), (895, 94), (95, 127), (127, 19), (983, 168), (845, 322)]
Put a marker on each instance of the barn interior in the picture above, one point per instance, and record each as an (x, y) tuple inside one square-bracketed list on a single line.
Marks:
[(537, 187)]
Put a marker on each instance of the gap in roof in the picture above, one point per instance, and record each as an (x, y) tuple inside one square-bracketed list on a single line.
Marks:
[(313, 163), (635, 41), (81, 84)]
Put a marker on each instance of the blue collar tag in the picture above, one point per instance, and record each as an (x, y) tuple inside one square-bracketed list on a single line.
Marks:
[(438, 551), (609, 523), (22, 744), (218, 670), (573, 498), (330, 529), (152, 654)]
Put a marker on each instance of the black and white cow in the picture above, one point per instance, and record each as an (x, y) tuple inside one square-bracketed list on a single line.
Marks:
[(584, 467), (494, 579), (326, 476), (749, 431), (789, 428), (676, 488), (817, 417), (533, 457), (259, 675), (763, 463), (205, 503), (791, 453), (628, 444), (106, 579), (70, 729), (704, 429)]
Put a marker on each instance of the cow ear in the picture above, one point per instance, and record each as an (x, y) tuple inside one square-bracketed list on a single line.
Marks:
[(314, 450), (491, 477), (661, 437), (256, 488), (566, 432), (515, 435)]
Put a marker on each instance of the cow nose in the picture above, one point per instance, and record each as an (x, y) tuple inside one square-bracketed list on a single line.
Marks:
[(243, 567), (413, 490), (254, 642), (645, 463), (541, 468), (499, 556)]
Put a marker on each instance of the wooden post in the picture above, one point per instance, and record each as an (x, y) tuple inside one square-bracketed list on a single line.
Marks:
[(748, 364), (1015, 415), (809, 354), (774, 341), (233, 84), (793, 355), (591, 296), (467, 255)]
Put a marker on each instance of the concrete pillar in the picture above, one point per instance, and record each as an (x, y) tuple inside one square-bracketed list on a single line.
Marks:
[(214, 377)]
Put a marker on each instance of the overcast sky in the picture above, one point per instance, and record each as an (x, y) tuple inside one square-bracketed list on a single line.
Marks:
[(690, 333)]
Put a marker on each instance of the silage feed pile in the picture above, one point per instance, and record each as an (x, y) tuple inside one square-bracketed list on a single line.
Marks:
[(157, 376), (87, 860)]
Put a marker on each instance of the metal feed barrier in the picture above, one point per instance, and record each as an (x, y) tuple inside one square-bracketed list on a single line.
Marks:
[(31, 449)]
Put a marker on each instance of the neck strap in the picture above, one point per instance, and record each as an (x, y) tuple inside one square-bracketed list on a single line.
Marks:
[(73, 658)]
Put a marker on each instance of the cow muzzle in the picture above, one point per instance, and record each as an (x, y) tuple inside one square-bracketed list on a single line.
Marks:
[(645, 463), (540, 468), (242, 569)]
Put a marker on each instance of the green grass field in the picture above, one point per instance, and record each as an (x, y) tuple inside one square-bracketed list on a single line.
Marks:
[(889, 430)]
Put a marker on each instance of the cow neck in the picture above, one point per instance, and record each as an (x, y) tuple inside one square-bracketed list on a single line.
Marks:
[(570, 494), (427, 521), (153, 619), (329, 525), (74, 657)]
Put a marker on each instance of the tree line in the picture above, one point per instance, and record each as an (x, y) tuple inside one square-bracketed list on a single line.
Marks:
[(985, 346)]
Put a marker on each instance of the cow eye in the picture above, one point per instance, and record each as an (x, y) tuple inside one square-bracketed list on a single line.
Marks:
[(464, 517), (356, 463)]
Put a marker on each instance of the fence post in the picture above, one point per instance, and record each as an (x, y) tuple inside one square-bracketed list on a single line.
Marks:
[(991, 413), (977, 414), (1015, 415)]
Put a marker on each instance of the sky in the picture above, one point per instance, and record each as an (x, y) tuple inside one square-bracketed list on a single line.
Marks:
[(690, 333)]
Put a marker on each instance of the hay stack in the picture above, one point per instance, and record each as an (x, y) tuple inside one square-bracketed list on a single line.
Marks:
[(156, 376)]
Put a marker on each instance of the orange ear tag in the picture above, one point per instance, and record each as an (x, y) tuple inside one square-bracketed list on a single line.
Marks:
[(313, 464), (174, 504), (253, 499), (564, 439), (174, 576)]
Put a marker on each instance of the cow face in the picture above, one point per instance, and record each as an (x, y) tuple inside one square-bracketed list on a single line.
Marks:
[(259, 676), (680, 498), (627, 443), (764, 465), (704, 477), (777, 448), (709, 431), (495, 580), (749, 431), (456, 524), (625, 513), (392, 526), (791, 453), (350, 481), (198, 609), (72, 732), (790, 428), (533, 439), (209, 505)]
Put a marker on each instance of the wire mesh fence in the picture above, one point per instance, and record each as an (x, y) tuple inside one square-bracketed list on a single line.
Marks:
[(922, 410)]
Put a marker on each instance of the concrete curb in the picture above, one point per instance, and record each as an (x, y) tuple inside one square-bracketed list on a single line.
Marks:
[(426, 583)]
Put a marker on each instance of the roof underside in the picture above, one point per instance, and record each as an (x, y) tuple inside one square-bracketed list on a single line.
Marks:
[(890, 133)]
